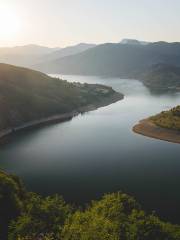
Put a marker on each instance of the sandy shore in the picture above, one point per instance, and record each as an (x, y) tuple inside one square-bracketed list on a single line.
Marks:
[(62, 117), (147, 128)]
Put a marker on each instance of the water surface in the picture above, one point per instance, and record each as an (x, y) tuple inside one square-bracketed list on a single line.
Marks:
[(97, 152)]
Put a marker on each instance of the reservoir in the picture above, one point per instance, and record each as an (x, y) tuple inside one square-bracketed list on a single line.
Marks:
[(97, 153)]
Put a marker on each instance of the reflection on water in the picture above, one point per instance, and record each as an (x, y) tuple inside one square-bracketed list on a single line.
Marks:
[(97, 152)]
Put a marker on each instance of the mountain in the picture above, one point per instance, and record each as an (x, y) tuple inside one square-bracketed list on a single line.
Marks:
[(30, 49), (24, 55), (128, 59), (67, 51), (27, 96), (115, 60), (29, 55)]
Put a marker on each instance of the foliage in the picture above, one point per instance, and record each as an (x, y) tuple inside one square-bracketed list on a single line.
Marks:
[(168, 119), (12, 196), (117, 216), (43, 216), (162, 76)]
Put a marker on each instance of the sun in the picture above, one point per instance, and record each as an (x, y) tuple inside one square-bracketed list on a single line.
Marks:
[(10, 23)]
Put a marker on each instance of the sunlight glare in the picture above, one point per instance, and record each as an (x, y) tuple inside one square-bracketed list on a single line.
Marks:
[(10, 24)]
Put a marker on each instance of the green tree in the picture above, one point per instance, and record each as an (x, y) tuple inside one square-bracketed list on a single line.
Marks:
[(43, 216), (117, 217), (12, 196)]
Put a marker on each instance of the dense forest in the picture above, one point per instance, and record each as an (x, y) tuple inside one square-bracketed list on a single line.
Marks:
[(162, 76), (116, 216), (168, 119), (28, 95)]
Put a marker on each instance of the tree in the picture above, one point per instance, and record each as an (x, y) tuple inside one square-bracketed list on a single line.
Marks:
[(43, 216), (117, 217), (12, 195)]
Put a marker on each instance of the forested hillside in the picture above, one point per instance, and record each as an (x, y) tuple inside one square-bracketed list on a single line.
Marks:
[(116, 216), (27, 95)]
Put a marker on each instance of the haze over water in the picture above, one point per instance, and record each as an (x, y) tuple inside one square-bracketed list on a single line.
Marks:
[(97, 152)]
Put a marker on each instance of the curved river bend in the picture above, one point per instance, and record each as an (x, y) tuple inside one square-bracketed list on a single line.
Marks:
[(97, 152)]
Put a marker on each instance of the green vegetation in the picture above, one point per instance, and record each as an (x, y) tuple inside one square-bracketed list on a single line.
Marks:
[(117, 216), (162, 76), (12, 200), (168, 119), (27, 95)]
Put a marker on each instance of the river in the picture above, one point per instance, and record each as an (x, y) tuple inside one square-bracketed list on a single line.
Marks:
[(97, 152)]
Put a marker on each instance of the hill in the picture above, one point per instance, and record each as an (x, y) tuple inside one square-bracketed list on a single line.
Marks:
[(67, 51), (30, 49), (116, 60), (155, 64), (24, 55), (164, 126), (27, 96), (32, 54), (162, 76), (168, 119)]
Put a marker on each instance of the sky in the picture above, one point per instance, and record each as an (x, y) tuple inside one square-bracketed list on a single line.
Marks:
[(59, 23)]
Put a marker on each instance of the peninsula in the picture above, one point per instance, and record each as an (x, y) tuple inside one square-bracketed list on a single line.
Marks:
[(29, 98), (164, 126)]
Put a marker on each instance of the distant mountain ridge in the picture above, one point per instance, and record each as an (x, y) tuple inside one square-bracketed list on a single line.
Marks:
[(29, 49), (64, 52), (128, 59), (116, 60), (29, 55), (71, 50), (24, 55), (121, 60)]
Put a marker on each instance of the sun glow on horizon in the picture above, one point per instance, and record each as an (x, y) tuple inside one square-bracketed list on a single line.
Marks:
[(10, 24)]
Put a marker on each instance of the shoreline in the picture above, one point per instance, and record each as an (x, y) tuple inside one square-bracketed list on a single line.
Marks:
[(147, 128), (58, 118)]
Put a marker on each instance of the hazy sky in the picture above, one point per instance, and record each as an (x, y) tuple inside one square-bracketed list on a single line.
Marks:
[(65, 22)]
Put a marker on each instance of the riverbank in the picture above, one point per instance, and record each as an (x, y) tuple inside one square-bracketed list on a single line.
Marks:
[(147, 128), (62, 117)]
